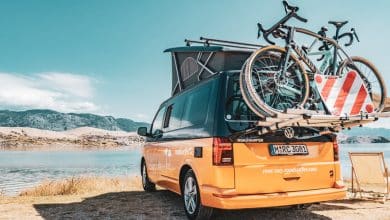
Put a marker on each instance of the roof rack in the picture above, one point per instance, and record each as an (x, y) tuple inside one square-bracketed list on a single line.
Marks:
[(225, 43)]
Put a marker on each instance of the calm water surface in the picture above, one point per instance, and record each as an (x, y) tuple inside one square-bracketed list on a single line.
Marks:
[(23, 169)]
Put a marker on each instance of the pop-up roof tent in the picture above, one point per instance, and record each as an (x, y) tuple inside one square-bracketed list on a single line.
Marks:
[(192, 64)]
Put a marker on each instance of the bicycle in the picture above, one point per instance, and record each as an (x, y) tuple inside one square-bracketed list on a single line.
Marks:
[(329, 64), (274, 79)]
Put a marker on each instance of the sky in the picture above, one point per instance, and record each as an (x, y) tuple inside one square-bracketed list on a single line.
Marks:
[(106, 57)]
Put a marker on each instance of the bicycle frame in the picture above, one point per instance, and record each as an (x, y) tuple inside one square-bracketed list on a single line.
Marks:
[(327, 56), (292, 46)]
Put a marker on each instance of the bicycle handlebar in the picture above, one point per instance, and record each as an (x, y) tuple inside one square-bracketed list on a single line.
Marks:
[(351, 35), (293, 9), (288, 7), (291, 13)]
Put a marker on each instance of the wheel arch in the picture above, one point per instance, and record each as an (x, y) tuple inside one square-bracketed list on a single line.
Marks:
[(183, 171)]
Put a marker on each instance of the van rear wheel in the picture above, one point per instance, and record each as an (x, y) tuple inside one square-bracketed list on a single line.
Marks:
[(191, 198), (146, 183)]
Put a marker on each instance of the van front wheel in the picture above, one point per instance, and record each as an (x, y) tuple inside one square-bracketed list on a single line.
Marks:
[(146, 183), (191, 198)]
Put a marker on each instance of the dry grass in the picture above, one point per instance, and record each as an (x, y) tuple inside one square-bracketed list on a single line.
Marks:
[(84, 185)]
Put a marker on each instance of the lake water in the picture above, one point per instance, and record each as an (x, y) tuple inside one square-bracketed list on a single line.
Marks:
[(23, 169)]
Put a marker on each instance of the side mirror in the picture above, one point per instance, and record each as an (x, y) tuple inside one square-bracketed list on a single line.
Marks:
[(142, 131)]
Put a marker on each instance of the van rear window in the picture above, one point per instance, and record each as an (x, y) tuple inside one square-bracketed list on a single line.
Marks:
[(237, 113)]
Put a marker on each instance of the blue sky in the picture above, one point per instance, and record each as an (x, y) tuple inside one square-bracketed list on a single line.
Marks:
[(106, 57)]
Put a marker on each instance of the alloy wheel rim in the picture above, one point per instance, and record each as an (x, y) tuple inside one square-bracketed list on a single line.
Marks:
[(190, 195), (143, 175)]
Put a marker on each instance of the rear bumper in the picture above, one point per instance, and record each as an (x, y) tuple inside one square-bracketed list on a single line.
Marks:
[(225, 199)]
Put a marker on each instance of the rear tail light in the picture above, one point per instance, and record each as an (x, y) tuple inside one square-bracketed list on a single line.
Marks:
[(335, 150), (222, 152)]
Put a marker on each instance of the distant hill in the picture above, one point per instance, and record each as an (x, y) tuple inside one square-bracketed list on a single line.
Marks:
[(365, 135), (57, 121), (367, 131)]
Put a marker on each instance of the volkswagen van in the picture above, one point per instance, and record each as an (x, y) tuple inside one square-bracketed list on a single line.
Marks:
[(196, 148)]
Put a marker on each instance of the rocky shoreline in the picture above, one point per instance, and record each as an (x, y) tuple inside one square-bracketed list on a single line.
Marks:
[(81, 138)]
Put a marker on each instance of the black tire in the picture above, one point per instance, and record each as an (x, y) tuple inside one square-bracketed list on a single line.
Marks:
[(247, 98), (146, 183), (191, 198), (377, 88), (302, 206), (269, 97)]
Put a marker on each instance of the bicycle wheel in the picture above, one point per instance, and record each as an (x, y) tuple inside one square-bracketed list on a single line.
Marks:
[(372, 79), (264, 84), (247, 98)]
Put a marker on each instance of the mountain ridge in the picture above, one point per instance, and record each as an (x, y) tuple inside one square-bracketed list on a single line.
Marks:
[(56, 121)]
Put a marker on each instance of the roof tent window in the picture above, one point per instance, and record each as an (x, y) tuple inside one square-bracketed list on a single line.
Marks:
[(188, 68), (193, 64)]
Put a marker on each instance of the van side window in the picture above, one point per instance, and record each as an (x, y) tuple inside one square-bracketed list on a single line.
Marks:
[(174, 115), (158, 122), (167, 117), (195, 110)]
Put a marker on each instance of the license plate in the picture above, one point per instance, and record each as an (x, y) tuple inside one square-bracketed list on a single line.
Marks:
[(288, 149)]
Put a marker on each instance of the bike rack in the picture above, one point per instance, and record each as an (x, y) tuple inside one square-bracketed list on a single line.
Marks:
[(312, 119)]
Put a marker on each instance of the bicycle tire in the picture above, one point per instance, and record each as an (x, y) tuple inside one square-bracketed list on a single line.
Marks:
[(251, 104), (253, 98), (379, 108)]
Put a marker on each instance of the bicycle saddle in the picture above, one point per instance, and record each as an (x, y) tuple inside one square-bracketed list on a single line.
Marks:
[(338, 24)]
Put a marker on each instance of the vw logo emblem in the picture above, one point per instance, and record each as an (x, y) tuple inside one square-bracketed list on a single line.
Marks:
[(289, 132)]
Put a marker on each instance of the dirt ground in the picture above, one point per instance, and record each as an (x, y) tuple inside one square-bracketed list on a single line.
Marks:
[(167, 205)]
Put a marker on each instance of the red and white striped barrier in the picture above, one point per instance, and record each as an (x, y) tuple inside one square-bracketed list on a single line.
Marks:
[(344, 96)]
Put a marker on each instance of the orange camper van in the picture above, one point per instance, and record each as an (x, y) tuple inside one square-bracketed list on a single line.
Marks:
[(193, 149)]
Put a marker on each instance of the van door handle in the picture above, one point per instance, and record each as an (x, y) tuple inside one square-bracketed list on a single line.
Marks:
[(295, 178)]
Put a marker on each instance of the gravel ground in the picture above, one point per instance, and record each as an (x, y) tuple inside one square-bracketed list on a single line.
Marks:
[(166, 205)]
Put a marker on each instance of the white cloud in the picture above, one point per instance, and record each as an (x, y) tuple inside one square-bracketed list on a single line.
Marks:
[(77, 85), (142, 117), (58, 91)]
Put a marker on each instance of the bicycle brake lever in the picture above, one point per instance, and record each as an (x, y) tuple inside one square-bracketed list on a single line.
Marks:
[(259, 30), (355, 34), (323, 31), (285, 4)]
